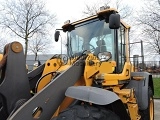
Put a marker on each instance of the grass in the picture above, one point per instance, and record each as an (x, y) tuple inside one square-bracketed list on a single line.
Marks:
[(156, 82)]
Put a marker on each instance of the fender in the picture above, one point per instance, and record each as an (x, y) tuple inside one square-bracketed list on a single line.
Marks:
[(92, 94), (100, 97), (141, 87)]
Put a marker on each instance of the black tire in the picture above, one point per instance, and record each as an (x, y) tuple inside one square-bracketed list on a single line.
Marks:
[(148, 114), (86, 112)]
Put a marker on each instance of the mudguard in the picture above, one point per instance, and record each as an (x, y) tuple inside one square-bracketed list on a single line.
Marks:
[(100, 97), (141, 88), (92, 94)]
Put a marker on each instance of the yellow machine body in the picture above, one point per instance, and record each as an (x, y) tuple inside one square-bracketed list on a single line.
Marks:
[(100, 71), (1, 56)]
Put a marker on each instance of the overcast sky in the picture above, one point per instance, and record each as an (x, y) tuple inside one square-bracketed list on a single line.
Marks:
[(72, 10)]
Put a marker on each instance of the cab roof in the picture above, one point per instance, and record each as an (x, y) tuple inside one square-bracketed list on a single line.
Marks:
[(99, 14)]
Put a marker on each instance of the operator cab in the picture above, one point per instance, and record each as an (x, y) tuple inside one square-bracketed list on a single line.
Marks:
[(101, 34)]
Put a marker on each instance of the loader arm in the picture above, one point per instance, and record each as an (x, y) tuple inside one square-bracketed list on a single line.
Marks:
[(14, 84), (49, 98)]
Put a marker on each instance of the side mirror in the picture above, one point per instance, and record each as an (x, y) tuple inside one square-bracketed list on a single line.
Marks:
[(114, 21), (56, 36)]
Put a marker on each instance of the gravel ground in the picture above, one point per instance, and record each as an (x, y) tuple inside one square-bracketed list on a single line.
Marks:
[(157, 109)]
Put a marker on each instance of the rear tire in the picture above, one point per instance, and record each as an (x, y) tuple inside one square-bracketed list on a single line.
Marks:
[(86, 112), (148, 114)]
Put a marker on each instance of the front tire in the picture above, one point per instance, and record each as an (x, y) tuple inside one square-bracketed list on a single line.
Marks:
[(87, 112)]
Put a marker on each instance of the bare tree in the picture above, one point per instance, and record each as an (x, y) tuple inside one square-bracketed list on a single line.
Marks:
[(39, 45), (3, 42), (123, 8), (94, 8), (25, 18), (90, 10), (149, 21)]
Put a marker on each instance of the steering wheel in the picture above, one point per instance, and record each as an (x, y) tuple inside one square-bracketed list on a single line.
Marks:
[(91, 48)]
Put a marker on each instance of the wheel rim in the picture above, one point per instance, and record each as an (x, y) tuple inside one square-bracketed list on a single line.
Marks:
[(151, 108)]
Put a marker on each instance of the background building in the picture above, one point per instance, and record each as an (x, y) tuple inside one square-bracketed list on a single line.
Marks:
[(31, 60)]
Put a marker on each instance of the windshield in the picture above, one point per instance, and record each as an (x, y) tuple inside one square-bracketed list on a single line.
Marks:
[(95, 36)]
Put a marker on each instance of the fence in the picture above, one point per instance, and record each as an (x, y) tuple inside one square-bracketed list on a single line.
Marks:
[(152, 67)]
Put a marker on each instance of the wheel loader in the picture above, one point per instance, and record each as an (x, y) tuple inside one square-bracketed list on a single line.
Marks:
[(94, 81)]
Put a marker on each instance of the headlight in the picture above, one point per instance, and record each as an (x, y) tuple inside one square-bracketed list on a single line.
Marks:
[(104, 56)]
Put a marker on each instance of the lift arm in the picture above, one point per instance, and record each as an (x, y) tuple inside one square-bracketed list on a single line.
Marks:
[(49, 98)]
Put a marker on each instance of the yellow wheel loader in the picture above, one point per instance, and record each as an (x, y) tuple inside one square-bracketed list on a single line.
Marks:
[(94, 81)]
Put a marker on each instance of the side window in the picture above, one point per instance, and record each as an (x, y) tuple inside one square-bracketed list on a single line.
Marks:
[(110, 44), (77, 43), (121, 47)]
